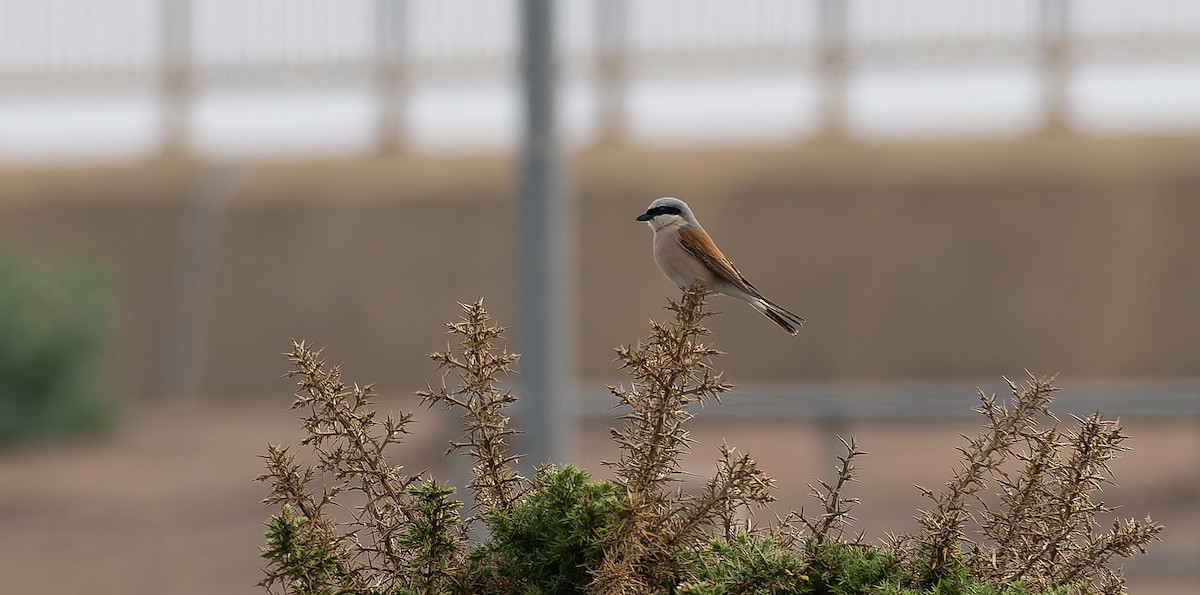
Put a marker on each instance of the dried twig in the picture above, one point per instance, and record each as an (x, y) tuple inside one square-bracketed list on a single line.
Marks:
[(671, 370), (835, 505), (478, 366)]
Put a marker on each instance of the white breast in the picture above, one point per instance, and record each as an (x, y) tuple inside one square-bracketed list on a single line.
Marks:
[(677, 263)]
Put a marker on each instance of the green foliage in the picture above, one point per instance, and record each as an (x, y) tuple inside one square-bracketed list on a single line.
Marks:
[(302, 555), (756, 564), (752, 564), (433, 536), (550, 538), (53, 328), (842, 569)]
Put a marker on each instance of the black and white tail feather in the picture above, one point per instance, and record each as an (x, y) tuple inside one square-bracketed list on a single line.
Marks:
[(778, 314)]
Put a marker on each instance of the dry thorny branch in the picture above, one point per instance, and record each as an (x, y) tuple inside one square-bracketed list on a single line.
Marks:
[(349, 443), (478, 366), (405, 534), (1043, 530), (671, 371), (835, 504), (943, 526)]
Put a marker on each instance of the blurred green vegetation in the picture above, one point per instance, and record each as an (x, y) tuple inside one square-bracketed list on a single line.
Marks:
[(55, 324)]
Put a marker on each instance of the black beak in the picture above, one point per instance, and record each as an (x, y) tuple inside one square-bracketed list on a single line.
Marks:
[(645, 216)]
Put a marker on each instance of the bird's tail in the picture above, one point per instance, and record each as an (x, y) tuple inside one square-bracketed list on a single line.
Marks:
[(778, 314)]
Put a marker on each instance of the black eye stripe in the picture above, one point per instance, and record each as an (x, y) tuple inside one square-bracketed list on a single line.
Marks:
[(664, 210)]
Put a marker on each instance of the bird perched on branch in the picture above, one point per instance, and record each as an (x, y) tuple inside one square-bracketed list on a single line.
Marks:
[(686, 254)]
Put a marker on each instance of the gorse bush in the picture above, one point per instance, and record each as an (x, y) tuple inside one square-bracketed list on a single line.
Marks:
[(351, 521), (53, 327)]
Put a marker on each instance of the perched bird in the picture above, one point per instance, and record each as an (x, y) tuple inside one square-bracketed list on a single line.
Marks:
[(686, 255)]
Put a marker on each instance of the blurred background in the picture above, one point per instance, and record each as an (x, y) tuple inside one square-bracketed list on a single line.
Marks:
[(950, 191)]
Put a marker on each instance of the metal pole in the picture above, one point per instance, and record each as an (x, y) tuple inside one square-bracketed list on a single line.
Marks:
[(193, 279), (389, 80), (831, 68), (611, 72), (547, 251), (1054, 19), (176, 74)]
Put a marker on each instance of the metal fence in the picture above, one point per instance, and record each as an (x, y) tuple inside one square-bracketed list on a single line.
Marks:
[(182, 48)]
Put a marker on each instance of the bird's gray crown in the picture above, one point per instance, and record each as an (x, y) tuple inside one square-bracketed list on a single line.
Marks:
[(668, 205)]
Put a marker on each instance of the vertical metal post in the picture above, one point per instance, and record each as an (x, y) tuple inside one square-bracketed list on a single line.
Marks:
[(176, 43), (611, 72), (832, 21), (389, 79), (1054, 16), (547, 250), (193, 280)]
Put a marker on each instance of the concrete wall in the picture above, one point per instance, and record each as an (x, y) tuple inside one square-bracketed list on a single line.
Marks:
[(949, 260)]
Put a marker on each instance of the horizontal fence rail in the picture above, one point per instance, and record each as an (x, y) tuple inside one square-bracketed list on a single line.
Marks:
[(181, 48), (932, 399)]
